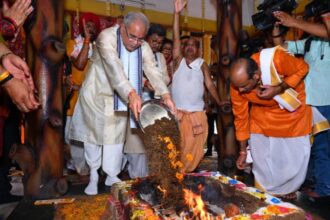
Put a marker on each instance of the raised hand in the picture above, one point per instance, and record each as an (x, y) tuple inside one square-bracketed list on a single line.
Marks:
[(86, 31), (285, 19), (18, 12), (179, 5)]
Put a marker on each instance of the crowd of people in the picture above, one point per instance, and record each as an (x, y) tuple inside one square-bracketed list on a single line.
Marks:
[(278, 100)]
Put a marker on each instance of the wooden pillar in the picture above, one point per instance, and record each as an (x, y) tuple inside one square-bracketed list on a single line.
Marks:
[(228, 29), (41, 157)]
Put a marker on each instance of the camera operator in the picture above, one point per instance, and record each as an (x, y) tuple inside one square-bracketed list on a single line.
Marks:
[(316, 52), (316, 29)]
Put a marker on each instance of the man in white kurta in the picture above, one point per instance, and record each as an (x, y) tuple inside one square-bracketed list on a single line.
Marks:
[(103, 131)]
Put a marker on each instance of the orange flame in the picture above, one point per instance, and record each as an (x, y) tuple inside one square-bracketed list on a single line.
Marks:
[(195, 203), (164, 191), (197, 206)]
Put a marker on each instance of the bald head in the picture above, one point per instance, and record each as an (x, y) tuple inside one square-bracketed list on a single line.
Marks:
[(244, 74)]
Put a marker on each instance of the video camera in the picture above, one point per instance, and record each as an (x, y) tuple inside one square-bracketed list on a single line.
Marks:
[(317, 7), (265, 19)]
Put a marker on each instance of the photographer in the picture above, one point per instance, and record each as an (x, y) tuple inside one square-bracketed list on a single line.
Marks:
[(316, 52), (317, 29)]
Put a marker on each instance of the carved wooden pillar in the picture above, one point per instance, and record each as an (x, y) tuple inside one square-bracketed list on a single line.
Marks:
[(228, 29), (44, 135)]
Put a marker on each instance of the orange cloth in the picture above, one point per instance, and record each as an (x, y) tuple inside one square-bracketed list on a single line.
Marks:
[(193, 133), (78, 77), (265, 116)]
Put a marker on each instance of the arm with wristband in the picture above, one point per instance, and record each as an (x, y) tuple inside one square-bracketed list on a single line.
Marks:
[(16, 66), (18, 91)]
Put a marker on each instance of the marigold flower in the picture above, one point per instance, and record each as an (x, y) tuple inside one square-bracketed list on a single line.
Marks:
[(189, 157), (170, 146), (179, 176), (179, 164)]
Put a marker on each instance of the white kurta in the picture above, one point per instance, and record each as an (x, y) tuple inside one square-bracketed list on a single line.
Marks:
[(101, 124)]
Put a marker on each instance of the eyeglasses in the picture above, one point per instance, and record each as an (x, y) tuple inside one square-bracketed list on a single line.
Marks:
[(133, 38)]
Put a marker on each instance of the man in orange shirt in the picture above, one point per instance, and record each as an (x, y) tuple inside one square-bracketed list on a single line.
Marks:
[(278, 136), (79, 51)]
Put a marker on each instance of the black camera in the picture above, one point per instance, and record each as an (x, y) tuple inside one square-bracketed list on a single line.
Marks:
[(317, 7), (265, 19)]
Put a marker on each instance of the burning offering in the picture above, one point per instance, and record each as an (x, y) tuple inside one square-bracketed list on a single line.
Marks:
[(207, 196), (168, 193)]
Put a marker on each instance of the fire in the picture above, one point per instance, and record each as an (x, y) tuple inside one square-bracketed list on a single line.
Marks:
[(164, 191), (195, 203), (197, 206)]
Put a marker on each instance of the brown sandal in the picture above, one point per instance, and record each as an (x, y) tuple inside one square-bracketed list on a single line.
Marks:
[(289, 196)]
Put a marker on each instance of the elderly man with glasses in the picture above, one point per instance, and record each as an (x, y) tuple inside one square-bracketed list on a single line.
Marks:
[(113, 86)]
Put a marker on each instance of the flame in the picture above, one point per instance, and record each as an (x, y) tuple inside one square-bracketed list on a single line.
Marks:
[(195, 203), (164, 191), (197, 206)]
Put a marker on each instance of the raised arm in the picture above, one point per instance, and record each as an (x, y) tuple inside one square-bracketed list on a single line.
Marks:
[(82, 59), (178, 7), (18, 12), (326, 21), (287, 20)]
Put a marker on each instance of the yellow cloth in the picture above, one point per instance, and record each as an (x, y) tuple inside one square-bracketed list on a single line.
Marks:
[(78, 77), (288, 99), (193, 133)]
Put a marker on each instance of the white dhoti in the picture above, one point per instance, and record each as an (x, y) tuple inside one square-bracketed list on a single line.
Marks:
[(134, 150), (280, 164)]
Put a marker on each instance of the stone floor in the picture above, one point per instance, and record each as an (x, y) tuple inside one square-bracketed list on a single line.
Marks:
[(318, 209)]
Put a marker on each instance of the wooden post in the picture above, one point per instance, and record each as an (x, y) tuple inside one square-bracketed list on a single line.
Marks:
[(228, 28), (44, 133)]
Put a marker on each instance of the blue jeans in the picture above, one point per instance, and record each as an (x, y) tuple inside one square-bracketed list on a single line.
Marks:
[(320, 157)]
